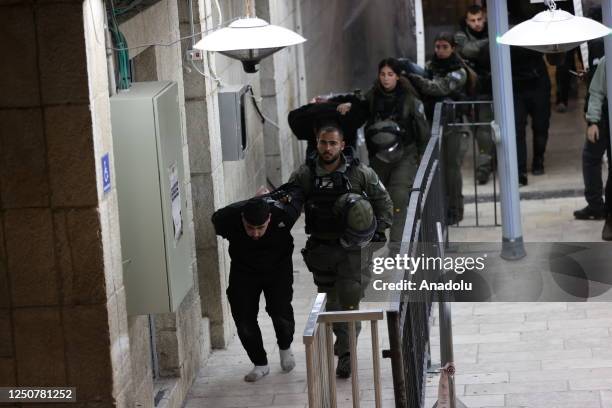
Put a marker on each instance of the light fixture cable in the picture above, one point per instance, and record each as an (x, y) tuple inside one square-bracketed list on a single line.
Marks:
[(263, 117)]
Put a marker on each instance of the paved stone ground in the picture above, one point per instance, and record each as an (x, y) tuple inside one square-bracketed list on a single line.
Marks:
[(533, 354), (507, 354)]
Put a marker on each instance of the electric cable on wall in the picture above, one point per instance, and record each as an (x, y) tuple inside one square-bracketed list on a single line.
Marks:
[(263, 117)]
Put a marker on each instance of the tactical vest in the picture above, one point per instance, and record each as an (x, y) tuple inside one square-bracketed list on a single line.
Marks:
[(318, 209)]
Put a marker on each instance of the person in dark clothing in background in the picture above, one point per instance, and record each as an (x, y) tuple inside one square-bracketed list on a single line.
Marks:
[(598, 134), (473, 46), (563, 76), (261, 249), (593, 152), (531, 87), (563, 80)]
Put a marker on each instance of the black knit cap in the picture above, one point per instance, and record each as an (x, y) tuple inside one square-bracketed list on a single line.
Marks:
[(256, 211)]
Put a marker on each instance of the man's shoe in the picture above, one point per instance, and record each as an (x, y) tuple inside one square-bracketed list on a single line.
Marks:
[(590, 213), (343, 370), (287, 360), (522, 179), (537, 167), (561, 108), (257, 373), (606, 233)]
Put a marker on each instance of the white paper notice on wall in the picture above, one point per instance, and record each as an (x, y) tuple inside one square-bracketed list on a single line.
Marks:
[(175, 195)]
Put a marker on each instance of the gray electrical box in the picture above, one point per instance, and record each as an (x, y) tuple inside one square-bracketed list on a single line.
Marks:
[(155, 235), (232, 114)]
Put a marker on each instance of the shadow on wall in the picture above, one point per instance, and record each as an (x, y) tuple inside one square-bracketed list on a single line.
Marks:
[(346, 40)]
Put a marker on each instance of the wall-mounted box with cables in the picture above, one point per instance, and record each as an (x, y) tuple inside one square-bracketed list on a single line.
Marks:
[(233, 118), (148, 160)]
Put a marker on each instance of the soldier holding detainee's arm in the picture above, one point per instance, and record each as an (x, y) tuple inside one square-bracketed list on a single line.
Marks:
[(346, 206)]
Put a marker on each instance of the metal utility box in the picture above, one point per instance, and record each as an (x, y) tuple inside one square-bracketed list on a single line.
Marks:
[(155, 234), (232, 114)]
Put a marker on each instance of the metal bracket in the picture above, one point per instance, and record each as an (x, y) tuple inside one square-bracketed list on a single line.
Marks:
[(195, 55)]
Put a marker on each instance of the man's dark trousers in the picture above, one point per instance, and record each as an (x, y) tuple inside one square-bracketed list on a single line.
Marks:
[(244, 292), (531, 99)]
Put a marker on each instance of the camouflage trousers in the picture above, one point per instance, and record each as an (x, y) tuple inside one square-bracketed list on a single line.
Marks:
[(343, 274), (397, 179)]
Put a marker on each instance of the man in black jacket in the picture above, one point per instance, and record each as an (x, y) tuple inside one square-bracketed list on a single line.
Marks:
[(261, 249)]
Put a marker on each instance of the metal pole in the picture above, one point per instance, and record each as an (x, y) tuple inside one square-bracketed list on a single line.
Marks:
[(512, 234), (446, 330), (606, 11), (354, 368), (420, 32), (376, 364), (329, 337)]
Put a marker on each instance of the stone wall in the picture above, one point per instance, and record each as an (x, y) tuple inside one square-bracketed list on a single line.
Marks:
[(58, 292), (178, 335), (346, 40), (283, 88)]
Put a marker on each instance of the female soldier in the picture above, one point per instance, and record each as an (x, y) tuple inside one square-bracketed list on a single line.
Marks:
[(397, 133), (447, 77)]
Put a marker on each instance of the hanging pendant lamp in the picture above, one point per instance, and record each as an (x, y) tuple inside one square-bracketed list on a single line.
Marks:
[(553, 31), (249, 40)]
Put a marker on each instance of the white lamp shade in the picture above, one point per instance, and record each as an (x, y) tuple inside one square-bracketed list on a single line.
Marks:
[(554, 31), (249, 34)]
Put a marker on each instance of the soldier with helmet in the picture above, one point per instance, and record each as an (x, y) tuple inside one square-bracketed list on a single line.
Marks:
[(396, 136), (346, 207), (447, 79)]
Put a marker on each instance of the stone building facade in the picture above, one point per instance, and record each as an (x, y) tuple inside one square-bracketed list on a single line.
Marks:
[(63, 318)]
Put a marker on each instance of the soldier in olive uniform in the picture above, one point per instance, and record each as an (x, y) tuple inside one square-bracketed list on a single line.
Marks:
[(473, 46), (396, 134), (340, 266), (447, 78)]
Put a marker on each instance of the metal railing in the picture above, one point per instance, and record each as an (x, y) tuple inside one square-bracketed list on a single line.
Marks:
[(470, 122), (319, 343), (409, 312)]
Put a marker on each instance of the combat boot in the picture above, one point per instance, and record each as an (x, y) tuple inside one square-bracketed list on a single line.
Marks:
[(343, 370)]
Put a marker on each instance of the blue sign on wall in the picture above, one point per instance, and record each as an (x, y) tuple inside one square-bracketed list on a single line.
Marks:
[(106, 178)]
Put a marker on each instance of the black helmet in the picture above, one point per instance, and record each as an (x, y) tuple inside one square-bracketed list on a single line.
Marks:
[(359, 221), (384, 139)]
